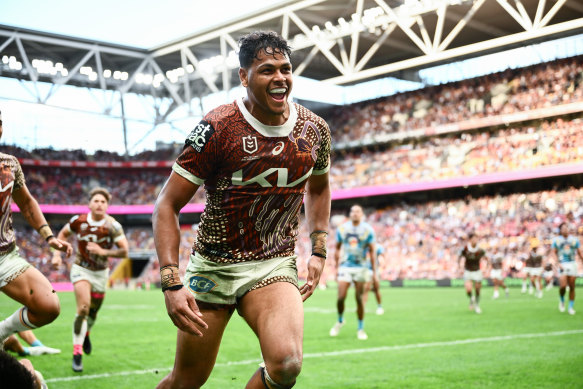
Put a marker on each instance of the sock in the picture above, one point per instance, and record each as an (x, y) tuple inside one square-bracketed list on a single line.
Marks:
[(79, 331), (477, 299), (25, 352), (379, 305), (90, 322), (16, 322), (37, 343), (360, 325), (562, 298), (571, 304), (340, 318)]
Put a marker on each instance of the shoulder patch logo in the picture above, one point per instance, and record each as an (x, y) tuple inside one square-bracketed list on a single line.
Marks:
[(200, 284), (250, 144), (199, 137)]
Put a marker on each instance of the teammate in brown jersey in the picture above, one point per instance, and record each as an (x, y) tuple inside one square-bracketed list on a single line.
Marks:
[(18, 279), (257, 158), (497, 273), (96, 234), (472, 256)]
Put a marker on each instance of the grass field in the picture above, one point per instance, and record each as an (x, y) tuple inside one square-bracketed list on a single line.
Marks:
[(427, 339)]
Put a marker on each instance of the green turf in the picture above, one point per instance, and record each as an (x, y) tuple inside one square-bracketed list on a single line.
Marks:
[(133, 334)]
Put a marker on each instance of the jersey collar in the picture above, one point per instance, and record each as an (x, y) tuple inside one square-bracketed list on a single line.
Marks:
[(93, 223), (270, 131)]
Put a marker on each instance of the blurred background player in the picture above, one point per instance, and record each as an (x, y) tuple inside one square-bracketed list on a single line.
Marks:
[(35, 345), (373, 282), (527, 269), (536, 267), (497, 273), (472, 256), (565, 249), (18, 279), (96, 233), (549, 275), (355, 238)]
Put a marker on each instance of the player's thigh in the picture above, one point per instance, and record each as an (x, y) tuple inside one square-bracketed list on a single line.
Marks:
[(571, 282), (278, 326), (82, 295), (563, 281), (477, 285), (32, 290), (359, 289), (196, 356), (343, 289), (468, 285)]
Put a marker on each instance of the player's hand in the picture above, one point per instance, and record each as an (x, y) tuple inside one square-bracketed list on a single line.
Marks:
[(183, 311), (95, 249), (60, 245), (315, 267)]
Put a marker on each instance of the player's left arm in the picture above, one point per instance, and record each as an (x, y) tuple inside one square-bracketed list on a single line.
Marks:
[(34, 216), (121, 251), (317, 204)]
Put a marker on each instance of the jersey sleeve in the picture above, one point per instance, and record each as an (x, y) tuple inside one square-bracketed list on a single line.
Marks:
[(199, 157), (117, 231), (577, 243), (338, 235), (73, 225), (371, 237), (19, 181), (322, 164), (555, 245)]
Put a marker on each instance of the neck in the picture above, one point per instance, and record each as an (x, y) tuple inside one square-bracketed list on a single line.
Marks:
[(265, 117), (355, 223), (96, 218)]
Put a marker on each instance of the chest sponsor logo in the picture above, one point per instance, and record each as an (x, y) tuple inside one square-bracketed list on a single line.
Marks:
[(93, 238), (84, 226), (199, 137), (250, 144), (261, 179), (200, 284), (278, 149)]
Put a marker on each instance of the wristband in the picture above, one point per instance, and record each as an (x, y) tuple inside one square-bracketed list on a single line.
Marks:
[(318, 239), (169, 277), (45, 232), (175, 287)]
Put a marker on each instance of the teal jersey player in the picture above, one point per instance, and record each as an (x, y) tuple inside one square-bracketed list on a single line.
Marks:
[(356, 240)]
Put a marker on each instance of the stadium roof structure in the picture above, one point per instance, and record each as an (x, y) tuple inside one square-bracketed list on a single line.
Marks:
[(336, 41)]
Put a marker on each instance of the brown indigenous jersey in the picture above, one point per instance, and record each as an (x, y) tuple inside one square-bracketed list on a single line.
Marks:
[(548, 267), (497, 261), (529, 261), (11, 178), (254, 177), (536, 260), (473, 255), (105, 233)]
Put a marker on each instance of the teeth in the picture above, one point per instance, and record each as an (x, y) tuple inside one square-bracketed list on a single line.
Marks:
[(278, 90)]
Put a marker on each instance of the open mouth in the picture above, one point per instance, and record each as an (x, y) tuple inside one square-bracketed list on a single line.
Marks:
[(278, 94)]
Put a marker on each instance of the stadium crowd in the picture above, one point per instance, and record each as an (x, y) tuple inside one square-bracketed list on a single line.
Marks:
[(513, 90), (421, 241)]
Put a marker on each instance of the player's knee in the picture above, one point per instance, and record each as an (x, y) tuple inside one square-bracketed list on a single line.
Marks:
[(285, 370), (177, 381), (46, 311), (83, 310)]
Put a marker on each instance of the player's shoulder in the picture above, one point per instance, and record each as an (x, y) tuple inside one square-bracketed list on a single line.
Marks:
[(220, 116), (78, 218), (114, 223), (8, 157), (304, 114)]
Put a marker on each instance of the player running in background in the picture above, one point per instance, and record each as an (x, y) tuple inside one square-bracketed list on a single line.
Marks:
[(96, 233), (565, 249), (373, 282), (355, 238), (472, 255), (497, 273), (257, 158), (527, 269), (549, 275), (18, 279), (536, 266)]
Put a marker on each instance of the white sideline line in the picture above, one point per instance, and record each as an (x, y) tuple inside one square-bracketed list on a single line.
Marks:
[(335, 353)]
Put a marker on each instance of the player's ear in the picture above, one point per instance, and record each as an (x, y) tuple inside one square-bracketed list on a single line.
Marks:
[(243, 76)]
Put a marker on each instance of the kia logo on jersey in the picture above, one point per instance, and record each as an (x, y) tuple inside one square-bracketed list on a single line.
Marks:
[(201, 134), (250, 144)]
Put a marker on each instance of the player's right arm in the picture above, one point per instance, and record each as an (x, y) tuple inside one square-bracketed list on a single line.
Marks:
[(337, 256), (180, 304), (57, 259)]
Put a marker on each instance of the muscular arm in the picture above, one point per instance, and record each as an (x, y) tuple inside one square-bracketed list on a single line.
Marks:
[(317, 205), (34, 216), (337, 254), (180, 304), (373, 257), (121, 251)]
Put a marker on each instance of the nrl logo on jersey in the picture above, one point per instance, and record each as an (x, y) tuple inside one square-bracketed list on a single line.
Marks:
[(199, 137), (250, 144)]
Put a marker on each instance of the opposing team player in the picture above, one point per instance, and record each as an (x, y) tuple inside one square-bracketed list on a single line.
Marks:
[(18, 279), (527, 270), (497, 273), (256, 157), (565, 249), (355, 239), (549, 275), (536, 267), (97, 233), (472, 256), (373, 282)]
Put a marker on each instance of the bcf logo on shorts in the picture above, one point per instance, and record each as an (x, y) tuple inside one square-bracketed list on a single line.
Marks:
[(200, 284)]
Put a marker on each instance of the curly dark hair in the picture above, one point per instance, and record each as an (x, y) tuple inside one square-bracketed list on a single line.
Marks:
[(13, 374), (269, 42)]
